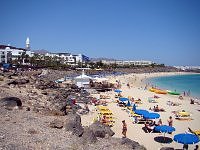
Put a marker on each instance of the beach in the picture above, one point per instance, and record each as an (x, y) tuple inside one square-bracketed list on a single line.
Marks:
[(137, 90)]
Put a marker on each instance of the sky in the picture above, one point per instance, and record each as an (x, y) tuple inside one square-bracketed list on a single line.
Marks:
[(163, 31)]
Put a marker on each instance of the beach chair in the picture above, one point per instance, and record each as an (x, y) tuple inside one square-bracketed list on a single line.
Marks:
[(137, 101), (152, 100), (148, 129), (183, 115), (196, 132)]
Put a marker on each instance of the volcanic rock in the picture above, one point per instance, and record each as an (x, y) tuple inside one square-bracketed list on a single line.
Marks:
[(19, 81), (73, 124), (10, 102), (88, 136), (101, 130), (56, 124)]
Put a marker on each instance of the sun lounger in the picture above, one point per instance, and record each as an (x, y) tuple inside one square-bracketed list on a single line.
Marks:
[(148, 129), (151, 100), (170, 103), (104, 97), (196, 132), (137, 101)]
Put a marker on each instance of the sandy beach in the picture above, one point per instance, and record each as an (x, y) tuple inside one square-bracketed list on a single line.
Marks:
[(136, 91)]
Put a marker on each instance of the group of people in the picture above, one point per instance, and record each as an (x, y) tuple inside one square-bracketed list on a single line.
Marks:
[(156, 109), (149, 126)]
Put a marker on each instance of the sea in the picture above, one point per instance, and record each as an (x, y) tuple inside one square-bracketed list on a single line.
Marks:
[(190, 83)]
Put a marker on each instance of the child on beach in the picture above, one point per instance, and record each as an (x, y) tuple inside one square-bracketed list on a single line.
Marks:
[(124, 128)]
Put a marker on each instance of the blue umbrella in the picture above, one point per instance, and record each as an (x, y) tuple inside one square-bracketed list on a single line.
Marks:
[(141, 111), (128, 104), (185, 138), (134, 107), (123, 99), (118, 91), (164, 128), (151, 115)]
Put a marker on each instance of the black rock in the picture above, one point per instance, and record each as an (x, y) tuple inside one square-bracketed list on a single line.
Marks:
[(132, 144), (28, 108), (101, 130), (73, 124), (73, 86), (19, 81), (44, 92), (88, 136), (56, 124), (10, 102)]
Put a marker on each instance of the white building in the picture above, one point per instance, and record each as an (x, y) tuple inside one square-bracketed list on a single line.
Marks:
[(8, 53), (127, 62), (68, 58)]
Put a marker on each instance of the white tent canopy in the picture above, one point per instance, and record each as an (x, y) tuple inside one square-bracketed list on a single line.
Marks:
[(82, 80)]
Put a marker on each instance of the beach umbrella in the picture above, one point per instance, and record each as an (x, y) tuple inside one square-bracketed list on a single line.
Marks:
[(118, 91), (134, 107), (186, 138), (123, 99), (151, 115), (128, 104), (141, 111), (164, 128)]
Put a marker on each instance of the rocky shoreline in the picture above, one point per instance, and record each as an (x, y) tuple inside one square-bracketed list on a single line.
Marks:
[(37, 113)]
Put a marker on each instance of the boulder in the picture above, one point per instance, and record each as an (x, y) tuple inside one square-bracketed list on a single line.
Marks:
[(56, 124), (132, 144), (45, 84), (32, 131), (101, 130), (44, 92), (18, 81), (10, 102), (73, 86), (88, 136), (73, 124)]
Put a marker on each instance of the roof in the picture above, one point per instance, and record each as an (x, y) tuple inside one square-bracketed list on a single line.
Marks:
[(11, 47)]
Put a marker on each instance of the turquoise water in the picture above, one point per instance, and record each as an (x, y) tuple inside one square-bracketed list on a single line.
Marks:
[(180, 83)]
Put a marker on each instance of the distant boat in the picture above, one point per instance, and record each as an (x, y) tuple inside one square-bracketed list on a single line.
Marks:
[(160, 91), (173, 93)]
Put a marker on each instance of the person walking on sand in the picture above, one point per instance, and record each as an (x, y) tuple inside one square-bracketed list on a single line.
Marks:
[(124, 128)]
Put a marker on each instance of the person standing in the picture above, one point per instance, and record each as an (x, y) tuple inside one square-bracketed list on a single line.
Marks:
[(170, 121), (159, 122), (124, 128)]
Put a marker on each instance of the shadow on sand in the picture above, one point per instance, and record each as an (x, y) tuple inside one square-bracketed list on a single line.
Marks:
[(162, 139)]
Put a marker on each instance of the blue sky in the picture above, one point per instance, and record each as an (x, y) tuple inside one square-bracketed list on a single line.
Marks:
[(164, 31)]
